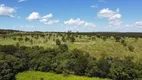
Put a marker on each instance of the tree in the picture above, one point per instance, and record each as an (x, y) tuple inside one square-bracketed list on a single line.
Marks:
[(8, 49), (124, 69), (63, 47), (27, 39), (63, 39), (79, 62), (123, 42), (20, 39), (117, 39), (17, 44), (14, 38), (131, 48), (72, 39), (104, 38), (104, 66), (6, 72), (93, 38), (58, 42)]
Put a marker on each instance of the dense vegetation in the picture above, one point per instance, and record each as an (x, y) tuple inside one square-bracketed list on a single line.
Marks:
[(32, 75), (113, 57)]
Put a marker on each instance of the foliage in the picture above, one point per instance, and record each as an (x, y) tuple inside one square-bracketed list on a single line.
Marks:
[(58, 42)]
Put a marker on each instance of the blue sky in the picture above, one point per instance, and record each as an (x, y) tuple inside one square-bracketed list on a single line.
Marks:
[(75, 15)]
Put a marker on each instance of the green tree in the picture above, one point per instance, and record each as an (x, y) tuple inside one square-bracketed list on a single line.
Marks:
[(63, 47), (72, 39), (6, 72), (131, 48), (58, 42)]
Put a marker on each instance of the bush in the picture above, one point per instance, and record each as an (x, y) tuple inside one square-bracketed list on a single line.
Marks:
[(63, 39), (8, 49), (123, 42), (61, 60), (14, 38), (27, 39), (124, 69), (63, 48), (20, 39), (6, 72), (117, 39), (72, 39), (58, 42), (131, 48)]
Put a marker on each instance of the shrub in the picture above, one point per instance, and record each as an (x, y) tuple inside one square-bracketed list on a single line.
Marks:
[(17, 44), (117, 39), (27, 39), (93, 38), (63, 47), (63, 39), (6, 72), (131, 48), (72, 39), (8, 49), (20, 39), (123, 70), (14, 38), (58, 42), (123, 42)]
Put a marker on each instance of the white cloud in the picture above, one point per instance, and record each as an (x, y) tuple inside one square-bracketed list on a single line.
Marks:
[(27, 26), (106, 13), (115, 22), (94, 6), (48, 16), (113, 16), (137, 24), (6, 11), (116, 16), (78, 22), (51, 22), (21, 0), (44, 19), (33, 16)]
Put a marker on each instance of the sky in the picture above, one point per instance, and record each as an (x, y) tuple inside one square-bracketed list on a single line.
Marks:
[(73, 15)]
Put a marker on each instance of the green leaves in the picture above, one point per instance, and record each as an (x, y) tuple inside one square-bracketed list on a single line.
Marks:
[(62, 60)]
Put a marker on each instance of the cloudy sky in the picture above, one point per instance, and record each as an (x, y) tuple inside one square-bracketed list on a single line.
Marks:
[(75, 15)]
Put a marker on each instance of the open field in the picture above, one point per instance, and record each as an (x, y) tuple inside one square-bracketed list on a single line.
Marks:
[(32, 75), (97, 44)]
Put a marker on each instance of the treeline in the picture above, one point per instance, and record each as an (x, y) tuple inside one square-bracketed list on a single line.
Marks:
[(15, 59), (8, 31), (106, 34), (115, 34)]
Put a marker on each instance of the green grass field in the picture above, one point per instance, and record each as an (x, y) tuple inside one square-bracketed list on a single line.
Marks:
[(32, 75), (96, 47)]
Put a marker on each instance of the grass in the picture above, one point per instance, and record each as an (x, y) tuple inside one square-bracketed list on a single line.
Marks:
[(96, 47), (35, 75)]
